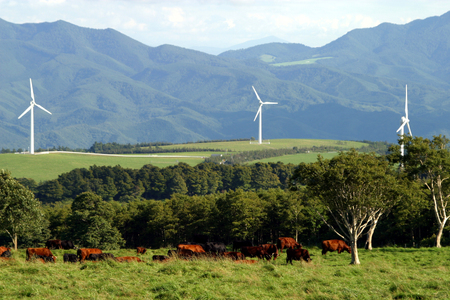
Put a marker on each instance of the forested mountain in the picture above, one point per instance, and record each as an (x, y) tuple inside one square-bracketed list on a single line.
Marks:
[(103, 86)]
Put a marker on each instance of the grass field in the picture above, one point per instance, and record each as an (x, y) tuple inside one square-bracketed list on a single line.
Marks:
[(239, 146), (297, 158), (384, 273), (48, 166), (300, 62)]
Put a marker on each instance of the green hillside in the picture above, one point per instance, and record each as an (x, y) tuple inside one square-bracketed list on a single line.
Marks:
[(44, 167)]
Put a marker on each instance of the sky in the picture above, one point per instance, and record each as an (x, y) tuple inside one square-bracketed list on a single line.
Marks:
[(222, 23)]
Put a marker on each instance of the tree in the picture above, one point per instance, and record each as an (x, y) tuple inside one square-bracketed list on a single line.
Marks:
[(20, 212), (428, 161), (353, 187), (91, 220)]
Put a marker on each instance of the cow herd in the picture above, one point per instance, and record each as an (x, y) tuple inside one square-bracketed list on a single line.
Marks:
[(186, 250)]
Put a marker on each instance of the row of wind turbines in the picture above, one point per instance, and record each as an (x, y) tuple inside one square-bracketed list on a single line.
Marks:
[(404, 119)]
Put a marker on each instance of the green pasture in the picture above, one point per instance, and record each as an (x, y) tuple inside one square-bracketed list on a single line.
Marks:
[(48, 166), (384, 273), (239, 146)]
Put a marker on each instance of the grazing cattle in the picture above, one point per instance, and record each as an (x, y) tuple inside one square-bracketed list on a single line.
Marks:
[(32, 252), (186, 253), (172, 253), (70, 257), (100, 256), (128, 259), (4, 249), (333, 245), (238, 244), (256, 251), (53, 244), (194, 248), (84, 253), (160, 258), (234, 255), (6, 253), (215, 247), (297, 254), (271, 249), (44, 259), (141, 250), (67, 245), (287, 242)]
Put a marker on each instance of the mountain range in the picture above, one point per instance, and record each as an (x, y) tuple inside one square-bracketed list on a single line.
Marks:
[(103, 86)]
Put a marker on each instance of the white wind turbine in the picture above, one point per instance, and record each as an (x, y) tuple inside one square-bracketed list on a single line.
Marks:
[(260, 114), (404, 121), (31, 107)]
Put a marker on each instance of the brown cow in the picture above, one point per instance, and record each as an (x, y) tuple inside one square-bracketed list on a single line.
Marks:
[(140, 250), (333, 245), (234, 255), (256, 251), (85, 252), (287, 242), (4, 249), (194, 248), (128, 259), (53, 244), (297, 254), (33, 252), (272, 249)]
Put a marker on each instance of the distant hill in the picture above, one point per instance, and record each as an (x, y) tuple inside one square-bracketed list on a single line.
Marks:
[(103, 86)]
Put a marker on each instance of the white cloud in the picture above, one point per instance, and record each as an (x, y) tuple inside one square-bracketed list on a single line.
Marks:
[(230, 23), (52, 2)]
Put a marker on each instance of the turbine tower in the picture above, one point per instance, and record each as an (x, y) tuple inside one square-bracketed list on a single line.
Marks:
[(404, 121), (260, 114), (31, 107)]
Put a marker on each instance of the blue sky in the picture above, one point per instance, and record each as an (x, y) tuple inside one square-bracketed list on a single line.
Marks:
[(222, 24)]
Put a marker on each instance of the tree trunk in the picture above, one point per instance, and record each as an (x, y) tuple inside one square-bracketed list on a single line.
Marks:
[(354, 246), (373, 225), (439, 234), (15, 241)]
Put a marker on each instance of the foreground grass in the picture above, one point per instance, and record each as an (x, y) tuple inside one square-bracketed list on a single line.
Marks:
[(385, 273)]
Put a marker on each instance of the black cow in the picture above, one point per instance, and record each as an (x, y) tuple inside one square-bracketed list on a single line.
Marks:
[(70, 258), (215, 247), (7, 253), (45, 258), (66, 245), (238, 244), (160, 257), (101, 256)]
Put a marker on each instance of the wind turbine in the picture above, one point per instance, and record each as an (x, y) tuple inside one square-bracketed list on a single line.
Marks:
[(260, 114), (31, 107), (404, 121)]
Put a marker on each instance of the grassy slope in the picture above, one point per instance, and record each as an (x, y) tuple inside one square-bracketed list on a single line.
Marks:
[(49, 166), (385, 273)]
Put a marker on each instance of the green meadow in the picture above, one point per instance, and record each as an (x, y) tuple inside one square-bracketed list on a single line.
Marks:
[(384, 273), (48, 166)]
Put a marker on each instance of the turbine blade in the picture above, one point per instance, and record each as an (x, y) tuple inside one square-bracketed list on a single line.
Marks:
[(406, 102), (25, 111), (401, 126), (257, 113), (31, 88), (257, 94), (43, 108), (409, 128), (270, 102)]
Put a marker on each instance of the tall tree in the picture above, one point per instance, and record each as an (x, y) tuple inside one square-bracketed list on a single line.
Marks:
[(429, 162), (20, 212), (353, 187)]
